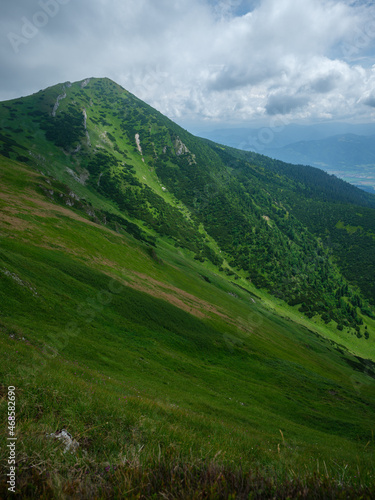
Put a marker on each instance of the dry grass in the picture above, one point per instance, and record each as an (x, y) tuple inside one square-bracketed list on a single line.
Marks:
[(173, 480)]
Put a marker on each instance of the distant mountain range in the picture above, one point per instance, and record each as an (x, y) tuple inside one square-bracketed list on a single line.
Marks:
[(345, 150)]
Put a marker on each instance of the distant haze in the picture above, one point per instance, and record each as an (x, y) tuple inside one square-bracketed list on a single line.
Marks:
[(343, 149), (265, 138)]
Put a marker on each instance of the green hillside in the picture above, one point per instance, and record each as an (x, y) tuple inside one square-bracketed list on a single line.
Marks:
[(340, 215), (236, 211), (164, 301)]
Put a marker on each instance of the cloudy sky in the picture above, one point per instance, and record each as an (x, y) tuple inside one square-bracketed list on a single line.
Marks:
[(201, 62)]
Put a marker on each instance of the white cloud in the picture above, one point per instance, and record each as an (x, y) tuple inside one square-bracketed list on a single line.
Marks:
[(226, 60)]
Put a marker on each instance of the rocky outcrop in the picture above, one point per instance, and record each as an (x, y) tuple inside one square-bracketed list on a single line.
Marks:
[(82, 179), (180, 147), (85, 82), (138, 142), (57, 103), (19, 281), (85, 126)]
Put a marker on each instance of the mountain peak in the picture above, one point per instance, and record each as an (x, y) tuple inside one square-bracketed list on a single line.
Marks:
[(171, 184)]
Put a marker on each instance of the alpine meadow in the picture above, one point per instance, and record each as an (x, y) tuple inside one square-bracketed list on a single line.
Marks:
[(179, 319)]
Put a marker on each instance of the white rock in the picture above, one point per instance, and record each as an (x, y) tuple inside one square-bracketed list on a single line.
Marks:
[(65, 437)]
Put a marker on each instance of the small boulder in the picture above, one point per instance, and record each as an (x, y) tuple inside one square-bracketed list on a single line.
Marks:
[(64, 436)]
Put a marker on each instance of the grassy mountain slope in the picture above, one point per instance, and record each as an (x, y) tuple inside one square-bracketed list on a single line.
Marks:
[(157, 362), (152, 172), (117, 323)]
